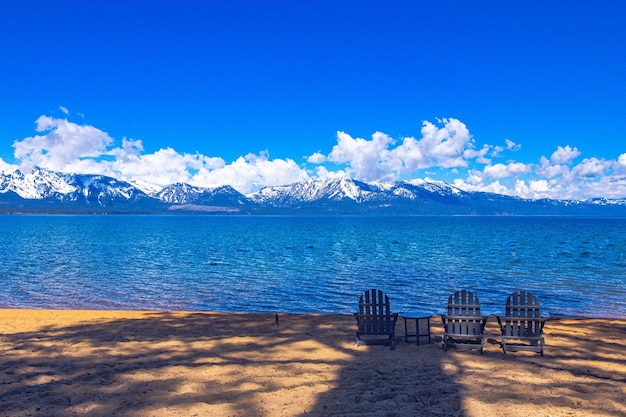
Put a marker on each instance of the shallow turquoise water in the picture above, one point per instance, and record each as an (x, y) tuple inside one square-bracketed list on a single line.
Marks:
[(576, 266)]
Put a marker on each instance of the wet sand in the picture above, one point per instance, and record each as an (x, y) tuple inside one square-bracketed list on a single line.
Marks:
[(128, 363)]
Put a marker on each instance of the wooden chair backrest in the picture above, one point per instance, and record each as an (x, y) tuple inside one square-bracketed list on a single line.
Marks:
[(463, 303), (522, 314), (523, 304), (464, 317), (375, 315)]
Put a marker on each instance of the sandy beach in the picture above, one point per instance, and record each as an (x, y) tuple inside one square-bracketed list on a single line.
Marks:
[(121, 363)]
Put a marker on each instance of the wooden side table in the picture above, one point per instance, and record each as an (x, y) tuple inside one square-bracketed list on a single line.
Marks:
[(420, 331)]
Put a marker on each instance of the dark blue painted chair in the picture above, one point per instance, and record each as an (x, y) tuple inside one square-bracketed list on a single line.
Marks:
[(375, 319)]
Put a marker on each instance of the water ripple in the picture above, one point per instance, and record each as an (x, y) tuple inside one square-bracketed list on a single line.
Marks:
[(306, 264)]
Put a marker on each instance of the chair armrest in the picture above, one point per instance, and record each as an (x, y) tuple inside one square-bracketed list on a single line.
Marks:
[(393, 316), (503, 319), (506, 318), (446, 318)]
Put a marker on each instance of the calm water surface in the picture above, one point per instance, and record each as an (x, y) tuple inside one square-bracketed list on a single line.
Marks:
[(304, 264)]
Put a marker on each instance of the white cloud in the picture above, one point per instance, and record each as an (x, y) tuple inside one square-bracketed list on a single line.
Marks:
[(591, 167), (539, 186), (512, 169), (163, 167), (564, 155), (497, 151), (475, 183), (534, 189), (593, 177), (547, 170), (69, 147), (316, 158), (6, 166), (62, 144), (610, 186), (324, 174), (479, 155), (496, 171), (512, 146), (367, 159), (250, 173), (64, 110), (446, 149), (446, 146)]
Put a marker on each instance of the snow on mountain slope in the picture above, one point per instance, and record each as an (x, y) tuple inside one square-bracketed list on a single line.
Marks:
[(334, 189), (45, 190), (338, 189), (181, 193), (37, 184), (42, 184)]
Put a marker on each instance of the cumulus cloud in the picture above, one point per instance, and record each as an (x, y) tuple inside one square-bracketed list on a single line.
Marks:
[(447, 145), (546, 169), (316, 158), (475, 183), (251, 172), (558, 177), (564, 155), (442, 146), (591, 167), (445, 149), (368, 159), (513, 169), (62, 144), (480, 155), (324, 174), (68, 147), (533, 189)]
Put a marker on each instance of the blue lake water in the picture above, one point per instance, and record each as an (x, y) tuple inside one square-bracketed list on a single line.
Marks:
[(310, 264)]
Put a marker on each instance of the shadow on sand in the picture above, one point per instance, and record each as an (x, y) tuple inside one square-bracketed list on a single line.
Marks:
[(213, 364), (184, 364)]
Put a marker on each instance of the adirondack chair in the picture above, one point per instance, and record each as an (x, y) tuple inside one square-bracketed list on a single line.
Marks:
[(463, 325), (522, 323), (375, 319)]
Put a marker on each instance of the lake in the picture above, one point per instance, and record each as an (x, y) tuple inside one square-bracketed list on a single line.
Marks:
[(310, 264)]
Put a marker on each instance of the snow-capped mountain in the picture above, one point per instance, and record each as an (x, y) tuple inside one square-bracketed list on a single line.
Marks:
[(41, 184), (313, 190), (47, 191), (37, 184), (181, 193), (344, 189), (44, 190)]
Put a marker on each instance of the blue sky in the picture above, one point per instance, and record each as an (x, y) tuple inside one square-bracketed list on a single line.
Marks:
[(523, 99)]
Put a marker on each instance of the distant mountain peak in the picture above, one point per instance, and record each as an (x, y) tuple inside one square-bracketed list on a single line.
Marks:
[(37, 184), (43, 190)]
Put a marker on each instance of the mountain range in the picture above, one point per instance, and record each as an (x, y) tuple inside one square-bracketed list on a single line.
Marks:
[(44, 191)]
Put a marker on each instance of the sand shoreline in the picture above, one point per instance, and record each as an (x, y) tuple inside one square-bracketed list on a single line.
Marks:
[(146, 363)]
